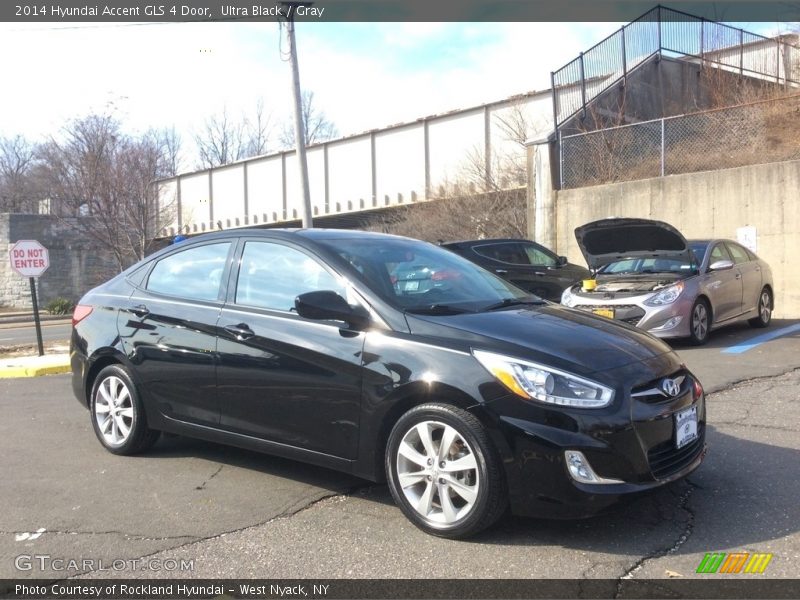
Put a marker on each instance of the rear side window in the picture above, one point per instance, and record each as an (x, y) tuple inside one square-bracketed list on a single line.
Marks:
[(272, 276), (194, 273)]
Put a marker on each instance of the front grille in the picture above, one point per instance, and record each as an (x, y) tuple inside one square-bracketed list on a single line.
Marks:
[(652, 393), (665, 459)]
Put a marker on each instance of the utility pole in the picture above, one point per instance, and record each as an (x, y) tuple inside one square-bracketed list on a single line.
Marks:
[(299, 126)]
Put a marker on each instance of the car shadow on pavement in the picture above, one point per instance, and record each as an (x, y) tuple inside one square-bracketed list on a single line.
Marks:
[(735, 334), (174, 446)]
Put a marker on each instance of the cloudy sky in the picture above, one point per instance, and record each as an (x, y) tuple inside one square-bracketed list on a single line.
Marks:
[(363, 75)]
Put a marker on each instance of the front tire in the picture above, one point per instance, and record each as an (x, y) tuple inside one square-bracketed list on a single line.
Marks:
[(765, 309), (699, 322), (443, 471), (117, 414)]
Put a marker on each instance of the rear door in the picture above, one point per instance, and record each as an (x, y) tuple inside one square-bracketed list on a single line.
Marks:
[(167, 328), (283, 378)]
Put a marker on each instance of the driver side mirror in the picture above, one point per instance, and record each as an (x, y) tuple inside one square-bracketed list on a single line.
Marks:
[(720, 265), (561, 261), (326, 305)]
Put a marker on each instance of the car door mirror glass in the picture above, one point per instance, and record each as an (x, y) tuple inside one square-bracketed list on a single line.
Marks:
[(562, 260), (721, 265)]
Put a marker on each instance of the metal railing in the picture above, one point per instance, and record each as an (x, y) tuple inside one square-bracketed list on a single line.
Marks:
[(748, 134), (665, 30)]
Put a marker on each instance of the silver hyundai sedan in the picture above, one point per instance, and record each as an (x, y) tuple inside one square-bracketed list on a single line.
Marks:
[(648, 275)]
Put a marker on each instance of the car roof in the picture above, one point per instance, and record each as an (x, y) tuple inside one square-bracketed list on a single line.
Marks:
[(288, 233), (487, 241)]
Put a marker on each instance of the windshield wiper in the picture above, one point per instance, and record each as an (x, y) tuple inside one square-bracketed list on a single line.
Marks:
[(438, 309), (513, 302)]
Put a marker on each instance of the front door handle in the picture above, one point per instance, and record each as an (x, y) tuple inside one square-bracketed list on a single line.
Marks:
[(241, 331), (140, 311), (501, 271)]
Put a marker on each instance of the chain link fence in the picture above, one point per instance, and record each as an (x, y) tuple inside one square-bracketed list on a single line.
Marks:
[(749, 134)]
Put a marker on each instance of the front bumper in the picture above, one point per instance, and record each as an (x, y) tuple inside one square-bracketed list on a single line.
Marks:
[(635, 444), (667, 321)]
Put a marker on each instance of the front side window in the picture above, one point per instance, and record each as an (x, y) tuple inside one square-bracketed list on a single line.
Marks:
[(273, 275), (538, 257), (738, 253), (506, 252), (194, 273), (718, 253)]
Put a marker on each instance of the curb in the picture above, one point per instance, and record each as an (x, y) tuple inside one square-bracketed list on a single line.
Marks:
[(17, 372)]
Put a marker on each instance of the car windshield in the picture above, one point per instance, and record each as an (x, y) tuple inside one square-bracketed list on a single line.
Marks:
[(420, 277), (644, 266)]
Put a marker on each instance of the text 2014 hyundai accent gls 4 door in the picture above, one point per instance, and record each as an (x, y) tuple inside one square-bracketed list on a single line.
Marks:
[(467, 399)]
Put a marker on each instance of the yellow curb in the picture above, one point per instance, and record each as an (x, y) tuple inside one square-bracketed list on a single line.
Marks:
[(14, 372)]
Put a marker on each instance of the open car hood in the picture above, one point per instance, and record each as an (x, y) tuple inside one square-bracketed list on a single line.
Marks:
[(609, 240)]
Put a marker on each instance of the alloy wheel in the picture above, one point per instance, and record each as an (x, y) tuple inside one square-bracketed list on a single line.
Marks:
[(438, 472), (765, 307), (700, 321), (113, 410)]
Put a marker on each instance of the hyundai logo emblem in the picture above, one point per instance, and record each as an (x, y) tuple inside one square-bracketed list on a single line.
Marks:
[(671, 387)]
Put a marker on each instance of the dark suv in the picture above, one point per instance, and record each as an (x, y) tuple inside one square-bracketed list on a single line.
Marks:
[(467, 397), (526, 264)]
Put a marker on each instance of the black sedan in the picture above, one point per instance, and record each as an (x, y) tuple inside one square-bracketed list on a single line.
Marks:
[(468, 398), (526, 264)]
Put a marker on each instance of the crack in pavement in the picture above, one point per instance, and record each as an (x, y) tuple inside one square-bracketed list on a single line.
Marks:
[(214, 474), (287, 514), (731, 385), (683, 504)]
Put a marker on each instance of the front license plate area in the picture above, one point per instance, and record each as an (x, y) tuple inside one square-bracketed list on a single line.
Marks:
[(685, 426), (604, 312)]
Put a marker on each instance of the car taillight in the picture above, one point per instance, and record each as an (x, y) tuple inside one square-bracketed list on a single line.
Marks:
[(80, 313), (698, 389), (445, 274)]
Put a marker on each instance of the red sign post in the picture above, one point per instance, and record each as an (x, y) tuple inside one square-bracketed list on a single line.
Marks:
[(30, 259)]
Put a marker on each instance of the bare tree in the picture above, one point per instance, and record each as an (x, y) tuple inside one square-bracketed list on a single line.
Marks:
[(221, 141), (318, 127), (16, 165), (171, 143), (96, 172), (225, 139)]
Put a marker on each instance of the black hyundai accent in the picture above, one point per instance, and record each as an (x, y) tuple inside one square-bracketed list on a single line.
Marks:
[(469, 397)]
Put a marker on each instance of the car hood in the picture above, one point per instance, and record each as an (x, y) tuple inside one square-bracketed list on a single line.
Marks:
[(609, 240), (551, 334)]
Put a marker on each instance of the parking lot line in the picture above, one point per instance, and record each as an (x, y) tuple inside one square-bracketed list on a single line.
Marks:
[(760, 339)]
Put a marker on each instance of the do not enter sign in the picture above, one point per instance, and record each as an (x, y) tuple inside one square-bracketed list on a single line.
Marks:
[(29, 258)]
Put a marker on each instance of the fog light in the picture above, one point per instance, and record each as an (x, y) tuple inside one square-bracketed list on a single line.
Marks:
[(581, 471), (670, 324)]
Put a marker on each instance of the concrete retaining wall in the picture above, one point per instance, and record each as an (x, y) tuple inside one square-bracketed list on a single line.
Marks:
[(709, 204), (76, 264)]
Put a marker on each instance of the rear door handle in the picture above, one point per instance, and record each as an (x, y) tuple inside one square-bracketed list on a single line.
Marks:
[(501, 271), (241, 331), (140, 311)]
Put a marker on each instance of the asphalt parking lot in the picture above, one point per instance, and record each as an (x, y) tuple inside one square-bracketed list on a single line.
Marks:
[(234, 513)]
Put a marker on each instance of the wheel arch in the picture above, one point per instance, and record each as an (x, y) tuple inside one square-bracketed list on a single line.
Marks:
[(417, 394)]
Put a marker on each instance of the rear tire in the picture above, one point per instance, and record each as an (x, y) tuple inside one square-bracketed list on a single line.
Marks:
[(699, 322), (765, 309), (117, 413), (443, 471)]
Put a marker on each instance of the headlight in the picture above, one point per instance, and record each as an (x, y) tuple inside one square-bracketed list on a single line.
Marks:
[(567, 298), (666, 296), (545, 384)]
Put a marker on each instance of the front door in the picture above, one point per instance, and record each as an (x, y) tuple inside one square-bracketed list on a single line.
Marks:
[(283, 378)]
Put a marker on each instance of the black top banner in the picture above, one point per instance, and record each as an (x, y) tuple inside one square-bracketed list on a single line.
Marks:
[(70, 11)]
